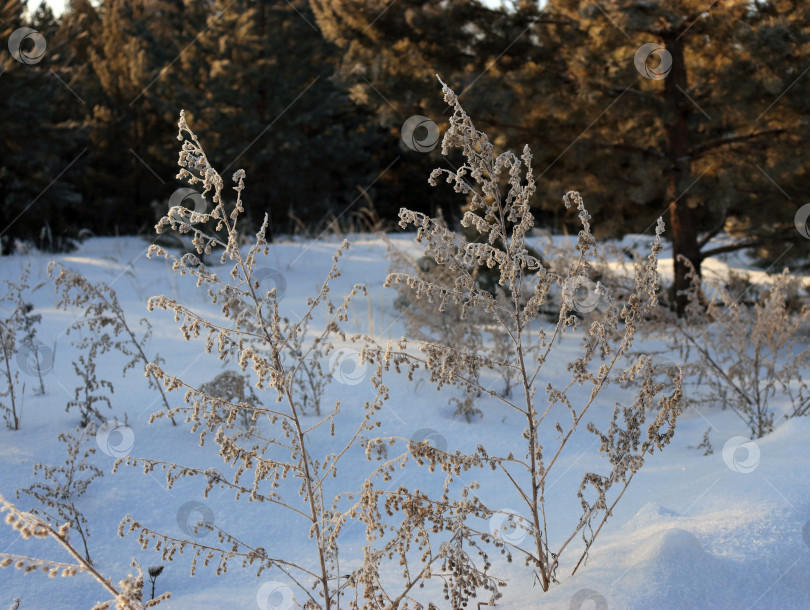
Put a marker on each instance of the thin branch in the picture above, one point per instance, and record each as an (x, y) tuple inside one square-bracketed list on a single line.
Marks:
[(698, 151)]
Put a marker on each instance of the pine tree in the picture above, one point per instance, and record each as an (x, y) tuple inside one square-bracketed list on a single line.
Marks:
[(505, 63), (269, 105), (698, 138), (36, 166), (134, 55)]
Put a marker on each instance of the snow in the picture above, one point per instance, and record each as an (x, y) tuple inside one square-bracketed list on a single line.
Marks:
[(690, 532)]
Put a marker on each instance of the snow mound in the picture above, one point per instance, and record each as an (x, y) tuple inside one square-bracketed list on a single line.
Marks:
[(651, 513), (678, 573), (672, 546)]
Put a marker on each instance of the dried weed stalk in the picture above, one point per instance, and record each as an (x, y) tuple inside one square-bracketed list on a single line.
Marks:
[(23, 323), (12, 407), (91, 392), (285, 460), (18, 339), (550, 422), (106, 329), (748, 346), (63, 485)]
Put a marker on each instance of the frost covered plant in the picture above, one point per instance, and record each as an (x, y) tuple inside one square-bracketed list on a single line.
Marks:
[(63, 485), (499, 189), (287, 460), (127, 596), (106, 329), (751, 357)]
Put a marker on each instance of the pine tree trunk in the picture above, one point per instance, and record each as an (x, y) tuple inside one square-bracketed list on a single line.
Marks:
[(683, 225)]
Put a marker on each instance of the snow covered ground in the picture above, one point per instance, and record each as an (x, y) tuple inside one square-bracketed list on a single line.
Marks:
[(692, 531)]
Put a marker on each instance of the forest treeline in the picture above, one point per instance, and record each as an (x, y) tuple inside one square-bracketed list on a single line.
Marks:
[(309, 97)]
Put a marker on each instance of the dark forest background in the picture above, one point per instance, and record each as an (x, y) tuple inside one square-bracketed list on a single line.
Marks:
[(309, 97)]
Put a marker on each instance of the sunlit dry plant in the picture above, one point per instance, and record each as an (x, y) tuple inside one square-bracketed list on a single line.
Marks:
[(127, 596), (63, 485), (287, 459), (552, 420)]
